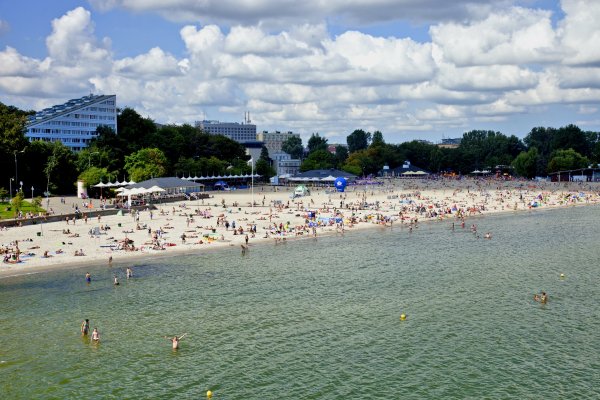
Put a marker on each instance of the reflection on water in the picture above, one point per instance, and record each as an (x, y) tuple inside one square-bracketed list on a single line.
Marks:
[(320, 318)]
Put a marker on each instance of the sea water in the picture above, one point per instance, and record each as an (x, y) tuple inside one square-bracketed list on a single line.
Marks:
[(320, 318)]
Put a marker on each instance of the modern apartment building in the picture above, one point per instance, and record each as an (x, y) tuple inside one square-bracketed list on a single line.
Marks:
[(241, 133), (274, 140), (74, 123)]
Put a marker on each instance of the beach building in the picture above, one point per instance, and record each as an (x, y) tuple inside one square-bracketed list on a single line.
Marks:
[(322, 176), (73, 123), (406, 170), (242, 133)]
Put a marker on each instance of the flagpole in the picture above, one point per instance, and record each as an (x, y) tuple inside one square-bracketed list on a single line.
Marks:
[(252, 182)]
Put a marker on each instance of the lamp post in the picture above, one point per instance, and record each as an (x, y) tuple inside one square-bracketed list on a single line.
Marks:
[(252, 184), (16, 165), (32, 195), (10, 187)]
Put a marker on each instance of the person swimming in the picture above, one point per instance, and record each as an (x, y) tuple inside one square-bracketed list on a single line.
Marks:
[(116, 281)]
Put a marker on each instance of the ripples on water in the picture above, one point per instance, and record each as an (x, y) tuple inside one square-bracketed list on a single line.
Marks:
[(319, 319)]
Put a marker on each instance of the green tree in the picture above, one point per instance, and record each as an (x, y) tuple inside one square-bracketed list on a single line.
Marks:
[(377, 139), (316, 143), (95, 175), (17, 201), (145, 164), (293, 146), (37, 203), (318, 159), (358, 140), (3, 193), (525, 164), (341, 154), (564, 160)]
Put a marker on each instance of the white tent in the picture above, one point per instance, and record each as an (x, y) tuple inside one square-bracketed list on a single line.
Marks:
[(155, 189)]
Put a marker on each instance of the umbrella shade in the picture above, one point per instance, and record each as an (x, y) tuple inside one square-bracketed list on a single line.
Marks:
[(155, 189), (120, 189), (100, 185)]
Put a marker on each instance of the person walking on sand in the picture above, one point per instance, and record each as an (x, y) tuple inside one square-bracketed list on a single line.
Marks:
[(85, 327)]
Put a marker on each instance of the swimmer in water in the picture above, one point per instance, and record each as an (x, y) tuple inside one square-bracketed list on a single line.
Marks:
[(96, 335), (116, 281), (85, 327), (129, 273), (88, 277), (175, 340), (544, 298)]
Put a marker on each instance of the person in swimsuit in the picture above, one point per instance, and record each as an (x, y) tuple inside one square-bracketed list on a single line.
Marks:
[(175, 340), (116, 281), (129, 273), (88, 277), (85, 327), (95, 335)]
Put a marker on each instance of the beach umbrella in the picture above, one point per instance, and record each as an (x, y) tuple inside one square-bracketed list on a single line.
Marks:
[(100, 185), (155, 189)]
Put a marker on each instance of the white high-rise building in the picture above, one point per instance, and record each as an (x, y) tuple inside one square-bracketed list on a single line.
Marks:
[(239, 132), (74, 123)]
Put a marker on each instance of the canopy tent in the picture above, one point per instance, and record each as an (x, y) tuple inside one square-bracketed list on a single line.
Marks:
[(301, 190)]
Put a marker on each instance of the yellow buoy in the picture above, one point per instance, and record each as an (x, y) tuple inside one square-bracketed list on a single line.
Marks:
[(402, 317), (208, 394), (562, 275)]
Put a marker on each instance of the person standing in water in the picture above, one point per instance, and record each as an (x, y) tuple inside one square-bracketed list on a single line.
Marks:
[(88, 277), (129, 273), (85, 327), (175, 340), (116, 281), (96, 335)]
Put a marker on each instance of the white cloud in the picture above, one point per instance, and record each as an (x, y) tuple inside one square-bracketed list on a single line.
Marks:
[(514, 36), (579, 32), (285, 12), (155, 63), (488, 68)]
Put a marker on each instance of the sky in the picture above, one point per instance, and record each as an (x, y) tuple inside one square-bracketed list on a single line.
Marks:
[(412, 69)]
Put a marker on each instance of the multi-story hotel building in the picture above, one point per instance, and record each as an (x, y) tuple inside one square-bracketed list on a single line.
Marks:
[(239, 132), (74, 123), (274, 140)]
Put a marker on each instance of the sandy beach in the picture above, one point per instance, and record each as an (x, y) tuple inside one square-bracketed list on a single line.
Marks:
[(228, 219)]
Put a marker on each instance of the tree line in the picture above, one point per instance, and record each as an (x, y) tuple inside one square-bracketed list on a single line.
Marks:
[(143, 149)]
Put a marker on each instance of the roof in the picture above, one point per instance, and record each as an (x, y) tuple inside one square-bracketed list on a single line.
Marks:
[(66, 108), (165, 183), (324, 173)]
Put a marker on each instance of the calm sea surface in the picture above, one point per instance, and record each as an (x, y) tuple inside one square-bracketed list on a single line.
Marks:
[(319, 319)]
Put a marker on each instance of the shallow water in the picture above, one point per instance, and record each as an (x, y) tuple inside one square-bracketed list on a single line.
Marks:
[(319, 319)]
